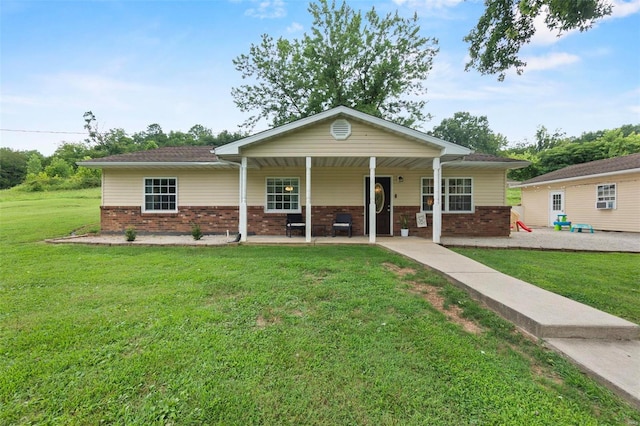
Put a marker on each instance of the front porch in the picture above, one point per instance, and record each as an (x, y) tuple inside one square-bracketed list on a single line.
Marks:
[(485, 221)]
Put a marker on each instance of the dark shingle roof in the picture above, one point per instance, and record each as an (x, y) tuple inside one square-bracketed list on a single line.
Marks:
[(476, 156), (169, 154), (609, 165)]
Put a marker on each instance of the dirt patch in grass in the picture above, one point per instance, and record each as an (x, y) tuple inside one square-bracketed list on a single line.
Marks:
[(262, 322), (430, 294)]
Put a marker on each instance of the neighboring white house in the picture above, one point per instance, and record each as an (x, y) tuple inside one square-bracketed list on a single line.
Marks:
[(318, 166), (604, 194)]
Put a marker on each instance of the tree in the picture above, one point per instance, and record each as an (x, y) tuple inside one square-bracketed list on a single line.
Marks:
[(373, 64), (201, 135), (34, 164), (507, 25), (470, 131), (58, 168), (71, 152), (545, 140), (225, 137), (13, 167)]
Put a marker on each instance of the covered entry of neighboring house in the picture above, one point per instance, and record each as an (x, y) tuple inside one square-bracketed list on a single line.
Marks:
[(383, 203)]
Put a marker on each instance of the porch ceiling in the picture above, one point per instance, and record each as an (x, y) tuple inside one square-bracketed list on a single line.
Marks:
[(355, 162)]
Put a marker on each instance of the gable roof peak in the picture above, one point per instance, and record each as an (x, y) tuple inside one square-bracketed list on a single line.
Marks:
[(234, 148)]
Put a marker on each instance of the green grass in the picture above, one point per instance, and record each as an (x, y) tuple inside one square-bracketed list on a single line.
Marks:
[(254, 335), (607, 281), (514, 196)]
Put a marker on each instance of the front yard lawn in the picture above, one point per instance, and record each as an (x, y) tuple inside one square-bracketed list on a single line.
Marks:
[(256, 335)]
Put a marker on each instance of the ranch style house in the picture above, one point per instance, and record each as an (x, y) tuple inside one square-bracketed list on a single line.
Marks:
[(340, 161)]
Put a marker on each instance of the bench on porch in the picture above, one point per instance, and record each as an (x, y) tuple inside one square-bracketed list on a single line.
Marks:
[(581, 226), (295, 221)]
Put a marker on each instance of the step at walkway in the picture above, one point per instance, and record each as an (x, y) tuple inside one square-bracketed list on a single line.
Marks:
[(603, 345)]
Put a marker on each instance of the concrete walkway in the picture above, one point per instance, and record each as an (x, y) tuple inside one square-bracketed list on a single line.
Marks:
[(605, 346)]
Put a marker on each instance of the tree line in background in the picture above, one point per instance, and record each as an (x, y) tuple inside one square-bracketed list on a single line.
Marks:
[(550, 151), (36, 172)]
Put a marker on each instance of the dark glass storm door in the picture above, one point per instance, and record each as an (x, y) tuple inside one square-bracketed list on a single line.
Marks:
[(382, 190)]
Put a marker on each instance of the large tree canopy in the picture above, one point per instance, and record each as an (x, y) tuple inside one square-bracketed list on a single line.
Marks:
[(470, 131), (507, 25), (374, 64)]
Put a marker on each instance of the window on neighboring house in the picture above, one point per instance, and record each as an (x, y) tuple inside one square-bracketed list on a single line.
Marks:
[(457, 194), (283, 195), (160, 194), (607, 194)]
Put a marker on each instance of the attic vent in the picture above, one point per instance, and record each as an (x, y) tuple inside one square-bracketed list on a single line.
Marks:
[(340, 129)]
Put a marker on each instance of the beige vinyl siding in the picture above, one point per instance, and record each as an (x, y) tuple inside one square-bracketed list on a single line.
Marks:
[(125, 187), (535, 202), (365, 141), (489, 186), (333, 186), (329, 186), (580, 200)]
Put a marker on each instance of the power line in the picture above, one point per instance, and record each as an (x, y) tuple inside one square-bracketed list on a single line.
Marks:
[(43, 131)]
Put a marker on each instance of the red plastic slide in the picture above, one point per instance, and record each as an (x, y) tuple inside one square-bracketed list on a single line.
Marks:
[(523, 226)]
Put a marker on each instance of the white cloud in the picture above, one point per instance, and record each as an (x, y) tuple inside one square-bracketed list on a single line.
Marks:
[(544, 36), (624, 8), (267, 9), (294, 28), (550, 61)]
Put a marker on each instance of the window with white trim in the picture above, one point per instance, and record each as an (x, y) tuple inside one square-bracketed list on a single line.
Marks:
[(607, 192), (283, 195), (161, 194), (457, 195)]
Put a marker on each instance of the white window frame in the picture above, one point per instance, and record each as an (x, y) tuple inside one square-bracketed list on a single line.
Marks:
[(446, 195), (174, 194), (294, 181), (601, 196)]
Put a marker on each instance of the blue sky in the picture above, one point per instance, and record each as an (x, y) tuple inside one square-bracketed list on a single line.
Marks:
[(134, 63)]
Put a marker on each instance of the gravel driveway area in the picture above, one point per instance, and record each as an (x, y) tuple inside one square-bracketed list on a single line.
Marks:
[(549, 239)]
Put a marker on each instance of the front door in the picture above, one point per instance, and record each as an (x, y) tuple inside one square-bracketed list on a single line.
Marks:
[(383, 205), (556, 205)]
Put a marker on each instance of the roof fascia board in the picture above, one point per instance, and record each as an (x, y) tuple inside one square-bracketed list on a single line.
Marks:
[(489, 164), (130, 164), (594, 176), (446, 147)]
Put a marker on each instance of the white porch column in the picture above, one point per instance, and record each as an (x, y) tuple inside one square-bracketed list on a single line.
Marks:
[(437, 200), (308, 202), (242, 225), (372, 200)]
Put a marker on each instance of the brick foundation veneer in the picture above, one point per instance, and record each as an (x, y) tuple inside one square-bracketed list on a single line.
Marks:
[(485, 222), (212, 220)]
